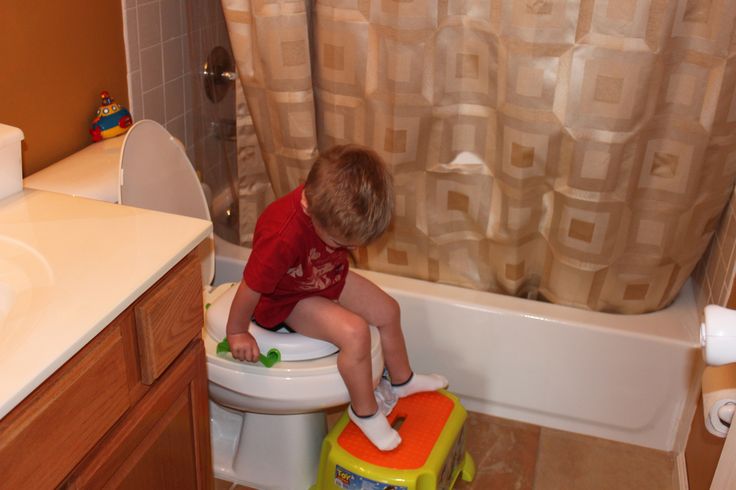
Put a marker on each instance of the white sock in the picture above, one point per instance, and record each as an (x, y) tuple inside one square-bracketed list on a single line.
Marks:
[(385, 397), (377, 429), (419, 383)]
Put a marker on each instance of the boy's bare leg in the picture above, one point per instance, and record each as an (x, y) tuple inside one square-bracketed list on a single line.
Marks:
[(323, 319), (378, 308)]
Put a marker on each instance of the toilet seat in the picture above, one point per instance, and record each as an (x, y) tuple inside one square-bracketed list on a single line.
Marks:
[(287, 387), (292, 346)]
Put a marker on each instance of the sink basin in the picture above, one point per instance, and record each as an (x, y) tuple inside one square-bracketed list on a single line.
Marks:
[(24, 276)]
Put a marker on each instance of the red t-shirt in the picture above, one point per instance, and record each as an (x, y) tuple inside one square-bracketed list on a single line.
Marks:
[(290, 262)]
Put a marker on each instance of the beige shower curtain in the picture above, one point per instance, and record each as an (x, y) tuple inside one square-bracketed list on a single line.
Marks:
[(576, 151)]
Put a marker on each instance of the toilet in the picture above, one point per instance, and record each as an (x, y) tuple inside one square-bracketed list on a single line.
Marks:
[(267, 424)]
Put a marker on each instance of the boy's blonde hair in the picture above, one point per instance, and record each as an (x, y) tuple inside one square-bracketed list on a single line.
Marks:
[(349, 192)]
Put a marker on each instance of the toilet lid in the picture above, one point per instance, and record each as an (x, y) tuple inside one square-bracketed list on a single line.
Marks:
[(156, 174), (292, 346)]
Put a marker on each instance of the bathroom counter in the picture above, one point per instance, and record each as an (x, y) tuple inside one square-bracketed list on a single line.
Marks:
[(68, 267)]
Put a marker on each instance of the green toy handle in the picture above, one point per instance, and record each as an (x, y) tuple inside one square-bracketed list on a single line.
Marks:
[(272, 357)]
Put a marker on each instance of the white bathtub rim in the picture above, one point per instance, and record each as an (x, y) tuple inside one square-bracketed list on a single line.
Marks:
[(678, 323)]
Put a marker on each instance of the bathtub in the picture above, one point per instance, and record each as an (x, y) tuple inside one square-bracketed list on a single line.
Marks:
[(627, 378)]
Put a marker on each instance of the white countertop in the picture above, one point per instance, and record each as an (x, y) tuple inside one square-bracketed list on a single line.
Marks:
[(68, 267)]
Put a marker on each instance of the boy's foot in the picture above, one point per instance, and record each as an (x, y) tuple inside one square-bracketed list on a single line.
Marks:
[(377, 429), (385, 397), (418, 383)]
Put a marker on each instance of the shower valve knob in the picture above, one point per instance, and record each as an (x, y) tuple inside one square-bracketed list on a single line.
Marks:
[(218, 73)]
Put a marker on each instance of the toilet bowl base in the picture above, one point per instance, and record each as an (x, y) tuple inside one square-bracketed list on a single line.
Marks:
[(268, 452)]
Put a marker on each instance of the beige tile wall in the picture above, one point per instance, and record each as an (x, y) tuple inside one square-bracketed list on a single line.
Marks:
[(213, 146), (157, 51)]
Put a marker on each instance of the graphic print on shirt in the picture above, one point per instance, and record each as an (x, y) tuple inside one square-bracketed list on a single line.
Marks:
[(318, 273), (296, 271)]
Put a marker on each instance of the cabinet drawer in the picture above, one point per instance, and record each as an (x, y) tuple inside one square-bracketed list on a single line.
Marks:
[(45, 436), (168, 317)]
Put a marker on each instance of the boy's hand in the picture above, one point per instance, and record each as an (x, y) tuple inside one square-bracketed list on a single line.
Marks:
[(243, 347)]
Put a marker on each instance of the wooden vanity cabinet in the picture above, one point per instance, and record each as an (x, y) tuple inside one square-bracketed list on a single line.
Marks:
[(130, 410)]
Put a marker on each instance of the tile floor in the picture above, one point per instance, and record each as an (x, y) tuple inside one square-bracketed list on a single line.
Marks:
[(512, 455)]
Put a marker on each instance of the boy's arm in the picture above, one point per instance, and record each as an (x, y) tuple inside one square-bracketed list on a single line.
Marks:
[(242, 344)]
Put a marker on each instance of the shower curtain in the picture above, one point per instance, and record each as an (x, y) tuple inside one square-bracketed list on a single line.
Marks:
[(580, 152)]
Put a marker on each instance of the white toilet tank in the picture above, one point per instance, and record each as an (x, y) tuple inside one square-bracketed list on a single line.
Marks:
[(93, 172)]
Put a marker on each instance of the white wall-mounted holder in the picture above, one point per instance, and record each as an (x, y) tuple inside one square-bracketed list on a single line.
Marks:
[(718, 335)]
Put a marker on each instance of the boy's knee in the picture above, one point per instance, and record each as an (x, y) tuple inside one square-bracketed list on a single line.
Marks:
[(394, 310), (357, 333), (389, 313)]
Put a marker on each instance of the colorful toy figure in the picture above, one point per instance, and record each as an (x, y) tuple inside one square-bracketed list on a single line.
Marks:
[(111, 120)]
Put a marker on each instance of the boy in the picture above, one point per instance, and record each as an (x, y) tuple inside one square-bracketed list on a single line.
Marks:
[(298, 274)]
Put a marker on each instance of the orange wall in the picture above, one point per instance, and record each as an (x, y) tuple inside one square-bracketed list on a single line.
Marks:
[(57, 56)]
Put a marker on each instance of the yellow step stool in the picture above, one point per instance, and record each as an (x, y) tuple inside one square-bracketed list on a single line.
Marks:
[(431, 455)]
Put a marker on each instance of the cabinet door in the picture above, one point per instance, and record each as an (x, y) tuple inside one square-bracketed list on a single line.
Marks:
[(49, 432), (163, 443)]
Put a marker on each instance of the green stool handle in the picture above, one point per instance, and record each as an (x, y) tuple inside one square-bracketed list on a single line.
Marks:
[(272, 357)]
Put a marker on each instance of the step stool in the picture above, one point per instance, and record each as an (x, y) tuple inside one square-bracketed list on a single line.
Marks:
[(431, 455)]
